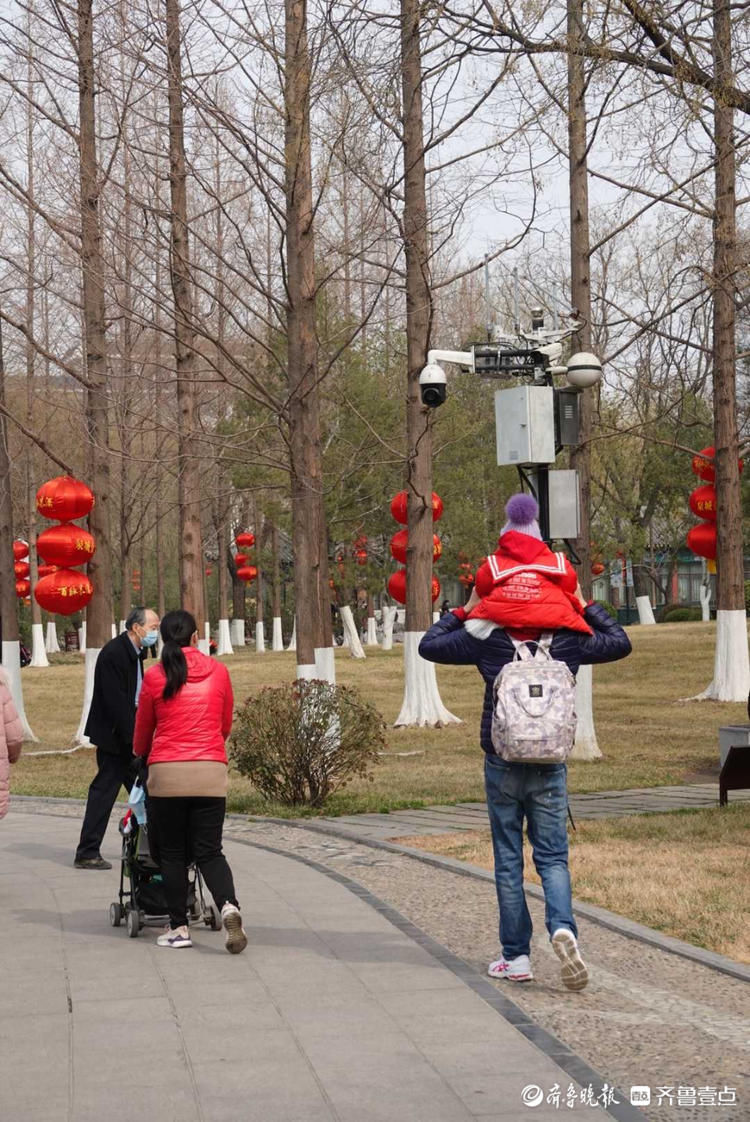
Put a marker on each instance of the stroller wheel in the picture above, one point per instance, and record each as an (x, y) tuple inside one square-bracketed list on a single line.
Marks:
[(115, 914), (133, 923), (212, 918)]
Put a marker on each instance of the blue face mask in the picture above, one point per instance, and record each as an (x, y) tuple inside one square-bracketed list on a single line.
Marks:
[(150, 638)]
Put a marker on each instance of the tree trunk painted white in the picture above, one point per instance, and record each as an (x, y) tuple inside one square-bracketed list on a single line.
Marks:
[(204, 647), (224, 642), (350, 632), (82, 638), (372, 632), (389, 618), (585, 747), (277, 638), (92, 654), (38, 652), (645, 611), (731, 680), (344, 638), (207, 631), (435, 616), (293, 643), (421, 704), (705, 594), (325, 666), (114, 630), (122, 627), (11, 655), (260, 638), (237, 628), (307, 670), (51, 644)]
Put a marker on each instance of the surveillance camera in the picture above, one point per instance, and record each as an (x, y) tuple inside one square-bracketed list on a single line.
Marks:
[(584, 370), (433, 385)]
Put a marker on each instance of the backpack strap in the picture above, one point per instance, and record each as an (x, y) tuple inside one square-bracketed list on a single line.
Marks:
[(543, 643)]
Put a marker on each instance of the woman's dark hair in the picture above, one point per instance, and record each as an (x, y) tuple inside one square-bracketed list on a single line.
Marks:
[(176, 630)]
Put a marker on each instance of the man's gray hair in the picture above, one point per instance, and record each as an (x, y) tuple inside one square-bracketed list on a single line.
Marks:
[(137, 615)]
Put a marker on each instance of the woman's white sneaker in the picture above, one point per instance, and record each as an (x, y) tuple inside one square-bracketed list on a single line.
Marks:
[(514, 969), (231, 921), (575, 976), (175, 937)]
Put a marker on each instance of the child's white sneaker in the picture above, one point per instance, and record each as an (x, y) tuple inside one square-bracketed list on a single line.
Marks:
[(231, 921)]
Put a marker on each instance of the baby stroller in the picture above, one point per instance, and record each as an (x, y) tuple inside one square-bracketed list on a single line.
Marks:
[(142, 897)]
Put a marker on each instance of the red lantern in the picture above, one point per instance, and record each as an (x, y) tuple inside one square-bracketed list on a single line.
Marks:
[(20, 550), (21, 569), (704, 467), (399, 504), (45, 570), (399, 508), (23, 588), (66, 545), (64, 499), (397, 586), (597, 569), (361, 556), (435, 589), (703, 502), (64, 592), (702, 540), (399, 542), (247, 572), (240, 559), (245, 540), (208, 572)]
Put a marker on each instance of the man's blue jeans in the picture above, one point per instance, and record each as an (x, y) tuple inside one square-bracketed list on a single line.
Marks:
[(538, 793)]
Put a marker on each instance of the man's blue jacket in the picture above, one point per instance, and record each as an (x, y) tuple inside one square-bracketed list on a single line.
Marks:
[(448, 641)]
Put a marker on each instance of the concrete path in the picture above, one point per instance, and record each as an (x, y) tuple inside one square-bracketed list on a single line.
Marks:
[(473, 816), (333, 1013)]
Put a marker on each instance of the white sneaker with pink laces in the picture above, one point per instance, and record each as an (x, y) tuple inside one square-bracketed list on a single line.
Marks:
[(514, 969)]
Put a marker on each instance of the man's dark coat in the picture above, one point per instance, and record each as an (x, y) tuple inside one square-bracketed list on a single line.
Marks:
[(111, 717)]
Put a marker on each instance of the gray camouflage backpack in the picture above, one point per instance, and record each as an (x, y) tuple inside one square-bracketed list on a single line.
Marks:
[(534, 710)]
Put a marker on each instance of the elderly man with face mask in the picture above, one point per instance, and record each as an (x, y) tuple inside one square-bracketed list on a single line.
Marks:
[(117, 683)]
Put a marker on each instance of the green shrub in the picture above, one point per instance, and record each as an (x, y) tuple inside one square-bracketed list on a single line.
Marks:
[(680, 614), (609, 608), (300, 742)]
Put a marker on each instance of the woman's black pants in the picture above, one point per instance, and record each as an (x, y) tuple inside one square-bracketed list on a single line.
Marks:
[(188, 829)]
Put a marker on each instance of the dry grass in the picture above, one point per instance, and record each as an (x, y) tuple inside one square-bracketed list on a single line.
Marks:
[(686, 873), (647, 735)]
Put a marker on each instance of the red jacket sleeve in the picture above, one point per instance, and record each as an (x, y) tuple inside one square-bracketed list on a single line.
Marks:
[(145, 719), (226, 718)]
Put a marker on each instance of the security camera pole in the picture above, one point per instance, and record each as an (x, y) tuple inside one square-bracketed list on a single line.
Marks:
[(534, 419)]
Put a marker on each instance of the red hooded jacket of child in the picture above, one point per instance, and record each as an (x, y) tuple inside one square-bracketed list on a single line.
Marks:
[(525, 586)]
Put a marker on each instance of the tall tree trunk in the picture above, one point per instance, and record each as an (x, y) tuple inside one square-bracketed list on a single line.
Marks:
[(99, 610), (277, 639), (422, 704), (731, 666), (304, 407), (586, 746), (11, 653), (189, 497)]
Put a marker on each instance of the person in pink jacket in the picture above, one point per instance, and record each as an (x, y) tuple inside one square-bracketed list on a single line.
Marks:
[(11, 735), (184, 717)]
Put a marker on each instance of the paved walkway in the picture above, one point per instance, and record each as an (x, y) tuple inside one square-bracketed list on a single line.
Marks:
[(333, 1013), (473, 816)]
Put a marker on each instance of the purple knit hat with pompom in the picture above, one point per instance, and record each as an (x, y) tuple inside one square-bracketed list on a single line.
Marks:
[(522, 512)]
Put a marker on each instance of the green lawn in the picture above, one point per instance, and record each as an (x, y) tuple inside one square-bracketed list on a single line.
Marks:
[(647, 734)]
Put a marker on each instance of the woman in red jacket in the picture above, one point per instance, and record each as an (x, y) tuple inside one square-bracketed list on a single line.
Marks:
[(184, 717)]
